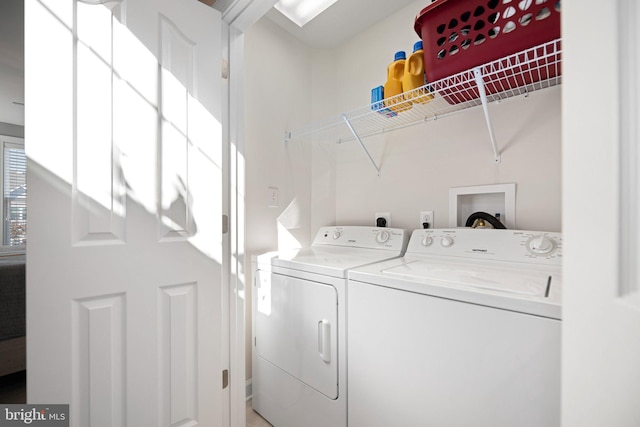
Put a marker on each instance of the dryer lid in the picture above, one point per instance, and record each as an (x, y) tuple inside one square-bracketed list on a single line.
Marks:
[(331, 261)]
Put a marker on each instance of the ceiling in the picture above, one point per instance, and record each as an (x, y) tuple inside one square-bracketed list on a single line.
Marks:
[(337, 24), (340, 22)]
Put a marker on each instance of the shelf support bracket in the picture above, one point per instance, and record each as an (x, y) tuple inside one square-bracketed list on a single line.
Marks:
[(355, 134), (477, 73)]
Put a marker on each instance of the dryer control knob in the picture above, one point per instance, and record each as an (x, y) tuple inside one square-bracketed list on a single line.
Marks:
[(541, 245), (446, 241), (427, 241), (382, 236), (336, 235)]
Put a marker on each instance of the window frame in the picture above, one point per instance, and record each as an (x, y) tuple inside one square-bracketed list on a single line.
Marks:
[(7, 141)]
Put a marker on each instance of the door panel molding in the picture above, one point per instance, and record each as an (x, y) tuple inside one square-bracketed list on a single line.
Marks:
[(98, 189), (99, 348), (178, 349), (177, 82), (628, 93)]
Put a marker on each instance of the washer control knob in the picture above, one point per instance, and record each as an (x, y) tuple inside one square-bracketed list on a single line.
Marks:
[(336, 235), (427, 241), (382, 236), (446, 241), (541, 245)]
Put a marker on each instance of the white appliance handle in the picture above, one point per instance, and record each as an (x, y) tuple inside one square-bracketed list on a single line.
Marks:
[(324, 340)]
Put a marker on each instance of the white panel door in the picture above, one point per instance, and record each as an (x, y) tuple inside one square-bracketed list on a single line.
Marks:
[(601, 265), (124, 291)]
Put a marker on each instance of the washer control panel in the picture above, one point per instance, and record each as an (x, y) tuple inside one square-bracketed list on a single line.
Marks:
[(502, 245), (363, 237)]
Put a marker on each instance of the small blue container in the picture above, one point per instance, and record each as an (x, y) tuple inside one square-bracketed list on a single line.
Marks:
[(377, 104)]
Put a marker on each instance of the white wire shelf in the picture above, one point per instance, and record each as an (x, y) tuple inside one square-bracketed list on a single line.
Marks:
[(518, 74)]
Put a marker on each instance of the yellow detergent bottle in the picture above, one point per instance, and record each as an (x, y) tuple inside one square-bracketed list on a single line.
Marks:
[(414, 77), (393, 85)]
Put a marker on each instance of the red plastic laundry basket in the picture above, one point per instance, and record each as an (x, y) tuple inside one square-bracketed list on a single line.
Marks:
[(458, 35)]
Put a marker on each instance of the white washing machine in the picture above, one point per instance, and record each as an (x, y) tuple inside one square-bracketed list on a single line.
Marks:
[(299, 354), (464, 330)]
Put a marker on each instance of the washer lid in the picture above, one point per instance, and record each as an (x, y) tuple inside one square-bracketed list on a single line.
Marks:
[(503, 279), (511, 286)]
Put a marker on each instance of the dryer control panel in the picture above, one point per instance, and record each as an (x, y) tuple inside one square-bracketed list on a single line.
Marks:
[(500, 245), (363, 237)]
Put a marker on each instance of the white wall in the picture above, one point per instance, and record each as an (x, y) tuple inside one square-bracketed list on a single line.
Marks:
[(11, 63), (11, 130), (277, 85), (288, 85), (421, 163)]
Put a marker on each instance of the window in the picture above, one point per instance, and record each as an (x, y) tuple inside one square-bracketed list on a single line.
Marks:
[(14, 192)]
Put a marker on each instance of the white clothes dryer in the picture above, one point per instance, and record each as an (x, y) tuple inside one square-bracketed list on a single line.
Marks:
[(299, 309), (464, 330)]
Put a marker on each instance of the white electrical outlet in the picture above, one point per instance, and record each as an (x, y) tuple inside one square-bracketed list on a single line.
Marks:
[(426, 217), (385, 215)]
